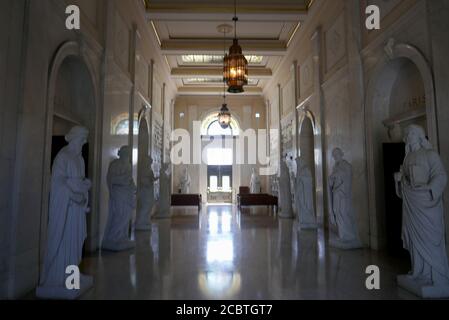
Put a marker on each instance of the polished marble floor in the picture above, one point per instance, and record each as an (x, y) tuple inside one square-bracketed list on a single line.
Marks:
[(223, 254)]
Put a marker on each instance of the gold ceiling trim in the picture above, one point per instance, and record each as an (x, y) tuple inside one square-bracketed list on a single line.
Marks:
[(198, 8)]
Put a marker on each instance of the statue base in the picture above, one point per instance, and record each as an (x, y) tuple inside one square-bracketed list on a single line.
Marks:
[(307, 226), (422, 289), (62, 293), (345, 245), (117, 246)]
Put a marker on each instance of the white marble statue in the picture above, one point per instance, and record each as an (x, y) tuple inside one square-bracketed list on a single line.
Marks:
[(255, 182), (67, 231), (185, 181), (420, 185), (165, 193), (340, 204), (146, 195), (122, 202), (285, 195), (304, 194)]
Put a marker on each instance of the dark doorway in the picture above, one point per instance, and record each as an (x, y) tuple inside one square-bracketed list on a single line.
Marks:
[(394, 154), (58, 142)]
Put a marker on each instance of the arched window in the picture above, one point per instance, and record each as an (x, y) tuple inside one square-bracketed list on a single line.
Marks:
[(215, 129), (211, 127), (120, 126)]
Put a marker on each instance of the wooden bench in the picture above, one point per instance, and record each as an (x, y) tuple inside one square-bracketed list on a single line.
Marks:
[(186, 200), (252, 200)]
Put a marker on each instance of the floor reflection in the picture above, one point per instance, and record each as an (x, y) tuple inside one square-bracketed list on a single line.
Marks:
[(224, 254)]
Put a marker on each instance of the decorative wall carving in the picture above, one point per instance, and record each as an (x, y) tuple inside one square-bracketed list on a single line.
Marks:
[(288, 97), (122, 39), (306, 77), (335, 39)]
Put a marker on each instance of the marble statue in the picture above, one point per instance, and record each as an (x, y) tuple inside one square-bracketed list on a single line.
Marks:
[(165, 193), (122, 202), (304, 196), (255, 182), (146, 195), (340, 204), (285, 198), (184, 184), (420, 184), (67, 231)]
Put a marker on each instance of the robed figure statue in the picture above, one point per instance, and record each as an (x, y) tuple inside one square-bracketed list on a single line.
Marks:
[(66, 233), (420, 184)]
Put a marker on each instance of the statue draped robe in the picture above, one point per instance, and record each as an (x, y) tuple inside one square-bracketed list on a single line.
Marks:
[(146, 196), (121, 201), (423, 225), (342, 213), (67, 219), (285, 195), (304, 196), (255, 184)]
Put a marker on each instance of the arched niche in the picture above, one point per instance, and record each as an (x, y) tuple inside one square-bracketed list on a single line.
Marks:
[(143, 148), (308, 140), (403, 72), (72, 99)]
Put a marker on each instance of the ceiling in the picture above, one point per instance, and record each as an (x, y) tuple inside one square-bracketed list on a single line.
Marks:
[(193, 47)]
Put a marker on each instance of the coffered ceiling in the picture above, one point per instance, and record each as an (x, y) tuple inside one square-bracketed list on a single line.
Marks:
[(193, 47)]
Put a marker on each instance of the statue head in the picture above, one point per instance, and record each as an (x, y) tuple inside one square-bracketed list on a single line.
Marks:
[(125, 153), (415, 135), (77, 138), (338, 154)]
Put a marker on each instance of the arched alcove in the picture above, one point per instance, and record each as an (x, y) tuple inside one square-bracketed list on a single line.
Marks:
[(144, 151), (400, 93), (71, 101), (308, 144)]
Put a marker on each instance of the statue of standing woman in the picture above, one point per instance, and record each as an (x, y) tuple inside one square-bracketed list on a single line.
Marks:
[(185, 182), (420, 185), (165, 193), (255, 182), (304, 196), (67, 231), (285, 195), (122, 202), (146, 195), (341, 210)]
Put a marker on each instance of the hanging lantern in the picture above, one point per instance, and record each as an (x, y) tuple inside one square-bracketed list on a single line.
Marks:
[(235, 71), (224, 117)]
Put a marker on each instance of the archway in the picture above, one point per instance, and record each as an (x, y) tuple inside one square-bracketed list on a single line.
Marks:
[(219, 174), (308, 137), (144, 152), (307, 148), (71, 100), (400, 93)]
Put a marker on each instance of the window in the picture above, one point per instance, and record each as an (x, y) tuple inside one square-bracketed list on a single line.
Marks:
[(219, 157), (215, 129), (120, 126), (211, 127)]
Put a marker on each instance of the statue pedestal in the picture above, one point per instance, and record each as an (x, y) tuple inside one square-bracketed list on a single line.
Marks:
[(307, 226), (62, 293), (117, 246), (344, 245), (422, 289)]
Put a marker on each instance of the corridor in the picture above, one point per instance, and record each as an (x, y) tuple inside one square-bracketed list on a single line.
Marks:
[(228, 255)]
